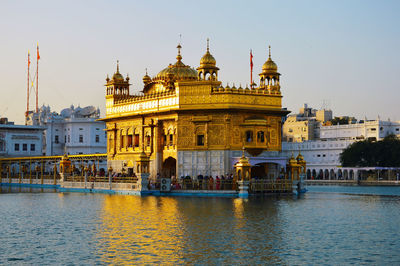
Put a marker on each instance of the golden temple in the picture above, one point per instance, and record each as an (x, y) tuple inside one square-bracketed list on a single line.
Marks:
[(187, 123)]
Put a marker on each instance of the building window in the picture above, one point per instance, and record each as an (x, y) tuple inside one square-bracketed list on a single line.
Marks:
[(24, 147), (200, 140), (97, 138), (136, 140), (16, 147), (171, 139), (249, 136), (69, 139), (80, 128), (130, 137), (165, 140), (80, 138), (148, 140), (97, 128), (260, 136), (33, 147), (56, 140)]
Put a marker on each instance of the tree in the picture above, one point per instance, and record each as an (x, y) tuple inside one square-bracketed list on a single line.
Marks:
[(384, 153)]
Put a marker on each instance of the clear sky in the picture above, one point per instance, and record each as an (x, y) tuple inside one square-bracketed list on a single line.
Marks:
[(344, 53)]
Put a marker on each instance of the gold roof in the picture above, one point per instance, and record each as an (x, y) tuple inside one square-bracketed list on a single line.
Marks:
[(269, 65), (178, 71)]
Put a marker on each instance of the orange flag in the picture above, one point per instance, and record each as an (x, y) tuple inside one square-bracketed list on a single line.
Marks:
[(38, 56)]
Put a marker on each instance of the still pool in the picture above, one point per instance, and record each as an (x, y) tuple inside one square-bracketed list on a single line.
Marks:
[(327, 225)]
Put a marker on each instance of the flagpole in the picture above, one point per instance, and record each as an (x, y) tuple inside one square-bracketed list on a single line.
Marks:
[(37, 77), (27, 91), (251, 69)]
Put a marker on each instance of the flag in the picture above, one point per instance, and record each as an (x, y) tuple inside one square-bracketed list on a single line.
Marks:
[(38, 56), (29, 60), (251, 68), (251, 60)]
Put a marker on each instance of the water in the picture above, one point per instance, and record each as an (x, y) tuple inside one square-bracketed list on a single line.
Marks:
[(328, 225)]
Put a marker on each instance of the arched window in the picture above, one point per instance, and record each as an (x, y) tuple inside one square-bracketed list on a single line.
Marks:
[(260, 136), (249, 136), (148, 140)]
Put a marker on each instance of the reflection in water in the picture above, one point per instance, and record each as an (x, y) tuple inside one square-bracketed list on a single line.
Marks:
[(90, 229), (187, 230), (139, 230)]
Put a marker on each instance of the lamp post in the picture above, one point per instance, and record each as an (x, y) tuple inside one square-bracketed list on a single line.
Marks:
[(109, 176)]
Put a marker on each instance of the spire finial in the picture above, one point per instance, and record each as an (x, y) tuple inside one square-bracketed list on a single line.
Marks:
[(179, 57), (117, 66), (146, 71), (269, 48), (208, 45), (243, 149)]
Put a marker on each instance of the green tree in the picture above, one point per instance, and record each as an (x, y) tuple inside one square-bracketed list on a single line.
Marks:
[(384, 153)]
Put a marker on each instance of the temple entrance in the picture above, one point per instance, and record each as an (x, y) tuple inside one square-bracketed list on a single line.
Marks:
[(265, 171), (169, 167)]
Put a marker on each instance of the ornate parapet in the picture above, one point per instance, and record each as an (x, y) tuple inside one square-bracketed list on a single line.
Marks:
[(131, 105)]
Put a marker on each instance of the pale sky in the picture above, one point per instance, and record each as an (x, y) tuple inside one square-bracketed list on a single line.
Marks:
[(344, 53)]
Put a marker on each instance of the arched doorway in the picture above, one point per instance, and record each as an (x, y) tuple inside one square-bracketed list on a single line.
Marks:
[(320, 174), (314, 174), (351, 173), (308, 174), (345, 175), (169, 167), (332, 174), (326, 174)]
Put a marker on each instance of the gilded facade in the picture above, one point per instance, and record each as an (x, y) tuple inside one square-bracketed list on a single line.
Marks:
[(188, 123)]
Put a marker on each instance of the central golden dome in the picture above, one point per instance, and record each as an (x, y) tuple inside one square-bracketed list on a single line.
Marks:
[(178, 71)]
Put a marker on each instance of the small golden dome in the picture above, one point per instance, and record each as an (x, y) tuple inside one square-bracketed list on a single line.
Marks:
[(146, 78), (292, 160), (300, 158), (117, 76), (207, 60), (269, 65)]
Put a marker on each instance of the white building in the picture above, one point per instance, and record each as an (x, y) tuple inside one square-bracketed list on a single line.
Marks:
[(20, 140), (322, 153), (73, 131)]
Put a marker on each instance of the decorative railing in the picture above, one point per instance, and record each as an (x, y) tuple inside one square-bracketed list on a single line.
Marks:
[(120, 99)]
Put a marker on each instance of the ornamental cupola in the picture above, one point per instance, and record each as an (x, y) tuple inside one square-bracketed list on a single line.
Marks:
[(269, 77), (146, 78), (117, 85), (208, 69)]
